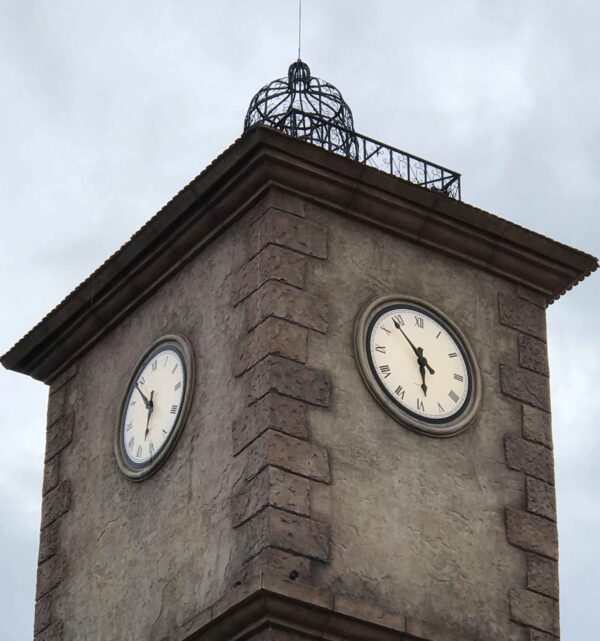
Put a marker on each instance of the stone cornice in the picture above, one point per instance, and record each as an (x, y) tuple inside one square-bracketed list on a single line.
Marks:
[(260, 160), (266, 602)]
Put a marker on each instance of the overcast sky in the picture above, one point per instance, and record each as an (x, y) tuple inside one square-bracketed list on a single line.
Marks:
[(110, 107)]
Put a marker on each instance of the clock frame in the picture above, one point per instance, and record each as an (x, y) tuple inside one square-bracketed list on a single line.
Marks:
[(444, 427), (182, 347)]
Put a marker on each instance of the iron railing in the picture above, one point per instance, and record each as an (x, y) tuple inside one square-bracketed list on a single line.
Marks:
[(370, 152)]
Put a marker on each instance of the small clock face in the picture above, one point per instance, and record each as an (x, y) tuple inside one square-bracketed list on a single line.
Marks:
[(154, 407), (418, 364)]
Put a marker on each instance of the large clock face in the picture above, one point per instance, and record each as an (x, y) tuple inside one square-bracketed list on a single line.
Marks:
[(154, 407), (418, 364)]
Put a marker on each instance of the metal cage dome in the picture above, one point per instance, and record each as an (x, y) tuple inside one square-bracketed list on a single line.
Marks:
[(307, 108)]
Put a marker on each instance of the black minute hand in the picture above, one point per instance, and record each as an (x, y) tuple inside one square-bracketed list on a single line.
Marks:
[(417, 350), (147, 402)]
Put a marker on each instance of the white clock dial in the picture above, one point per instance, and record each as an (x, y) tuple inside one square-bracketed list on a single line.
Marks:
[(153, 408), (418, 364)]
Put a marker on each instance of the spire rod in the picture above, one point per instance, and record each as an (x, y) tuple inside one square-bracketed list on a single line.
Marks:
[(299, 27)]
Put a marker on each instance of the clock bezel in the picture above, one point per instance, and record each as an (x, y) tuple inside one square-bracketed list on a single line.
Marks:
[(140, 472), (436, 428)]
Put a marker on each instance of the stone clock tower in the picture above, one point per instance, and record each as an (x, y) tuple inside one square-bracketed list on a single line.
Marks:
[(307, 400)]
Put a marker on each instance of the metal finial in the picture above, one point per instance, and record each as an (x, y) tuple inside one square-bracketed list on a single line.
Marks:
[(299, 27)]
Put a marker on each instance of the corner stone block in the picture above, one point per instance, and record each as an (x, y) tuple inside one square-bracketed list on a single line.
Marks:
[(52, 633), (63, 379), (276, 337), (274, 374), (535, 610), (286, 230), (533, 354), (289, 453), (58, 436), (288, 303), (531, 458), (537, 425), (274, 487), (532, 533), (522, 316), (56, 406), (43, 614), (276, 562), (273, 263), (48, 542), (532, 296), (523, 385), (51, 475), (50, 574), (56, 503), (541, 499), (542, 575), (271, 412), (273, 528), (537, 635)]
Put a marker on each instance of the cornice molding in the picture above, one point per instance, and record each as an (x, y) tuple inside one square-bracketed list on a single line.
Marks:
[(264, 159), (267, 602)]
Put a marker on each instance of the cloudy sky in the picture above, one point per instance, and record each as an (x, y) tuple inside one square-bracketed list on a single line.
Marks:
[(111, 107)]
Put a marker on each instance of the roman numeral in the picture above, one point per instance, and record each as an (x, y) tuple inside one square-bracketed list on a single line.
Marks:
[(453, 355), (176, 366), (141, 381), (166, 359), (139, 451), (177, 385), (151, 448), (165, 432), (385, 329), (398, 320), (419, 322), (130, 443), (132, 403), (399, 392), (154, 365), (380, 348), (174, 409), (385, 369), (129, 426), (441, 408), (420, 406), (458, 377), (438, 334), (453, 395)]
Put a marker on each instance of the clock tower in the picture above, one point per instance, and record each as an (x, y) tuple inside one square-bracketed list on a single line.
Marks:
[(308, 399)]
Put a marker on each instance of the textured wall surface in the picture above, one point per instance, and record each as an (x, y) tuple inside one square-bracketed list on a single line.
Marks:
[(287, 464), (141, 558), (417, 523)]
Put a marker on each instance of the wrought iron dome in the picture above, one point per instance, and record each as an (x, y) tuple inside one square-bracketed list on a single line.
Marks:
[(313, 110), (306, 107)]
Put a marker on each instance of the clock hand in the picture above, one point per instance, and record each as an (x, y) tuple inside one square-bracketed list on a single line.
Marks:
[(147, 403), (423, 386), (398, 326), (423, 361), (150, 407), (417, 350)]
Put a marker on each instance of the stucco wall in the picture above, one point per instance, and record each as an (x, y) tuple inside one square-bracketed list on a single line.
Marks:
[(144, 557), (417, 523)]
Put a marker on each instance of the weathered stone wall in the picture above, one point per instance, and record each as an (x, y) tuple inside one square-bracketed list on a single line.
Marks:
[(287, 466), (429, 526), (125, 560)]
